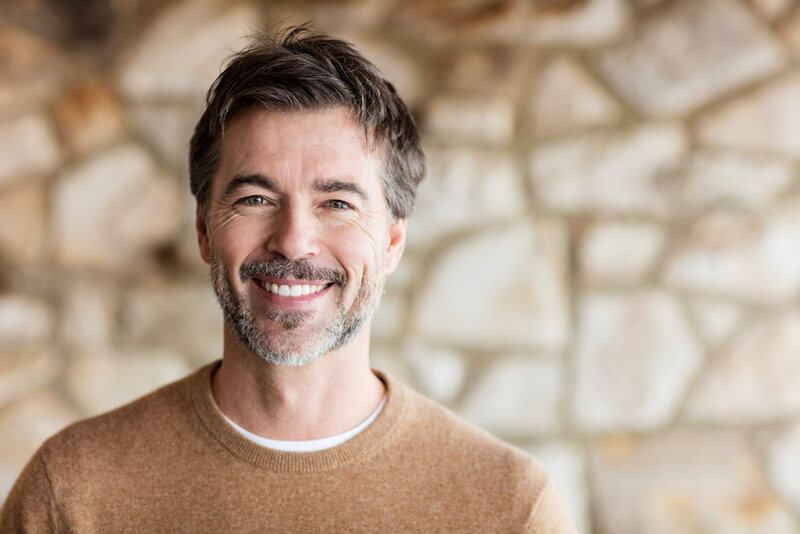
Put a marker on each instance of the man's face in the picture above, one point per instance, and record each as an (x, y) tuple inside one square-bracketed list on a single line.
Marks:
[(297, 232)]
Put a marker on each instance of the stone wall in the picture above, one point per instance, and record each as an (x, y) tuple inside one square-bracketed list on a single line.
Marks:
[(603, 268)]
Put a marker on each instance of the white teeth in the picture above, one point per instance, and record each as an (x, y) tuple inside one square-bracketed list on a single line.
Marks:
[(299, 290)]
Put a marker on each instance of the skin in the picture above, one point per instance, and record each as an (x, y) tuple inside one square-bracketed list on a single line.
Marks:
[(317, 197)]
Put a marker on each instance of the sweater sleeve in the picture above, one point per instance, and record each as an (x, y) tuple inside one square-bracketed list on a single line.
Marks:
[(30, 506), (550, 515)]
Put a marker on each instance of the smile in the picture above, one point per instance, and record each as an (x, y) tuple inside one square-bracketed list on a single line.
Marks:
[(291, 290)]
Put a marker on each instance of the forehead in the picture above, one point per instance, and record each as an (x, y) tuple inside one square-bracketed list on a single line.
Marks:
[(293, 144)]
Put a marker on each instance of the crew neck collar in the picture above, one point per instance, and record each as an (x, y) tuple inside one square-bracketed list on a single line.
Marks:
[(373, 438)]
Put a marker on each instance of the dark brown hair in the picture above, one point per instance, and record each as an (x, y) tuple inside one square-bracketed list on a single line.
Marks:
[(297, 70)]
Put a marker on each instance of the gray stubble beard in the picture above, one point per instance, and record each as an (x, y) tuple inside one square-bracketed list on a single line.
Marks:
[(339, 332)]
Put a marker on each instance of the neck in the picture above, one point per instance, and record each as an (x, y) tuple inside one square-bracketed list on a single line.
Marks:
[(328, 396)]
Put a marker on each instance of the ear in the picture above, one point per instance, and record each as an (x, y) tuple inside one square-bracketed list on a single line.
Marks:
[(397, 243), (202, 234)]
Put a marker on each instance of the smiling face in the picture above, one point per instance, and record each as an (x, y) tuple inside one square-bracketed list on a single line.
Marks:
[(297, 233)]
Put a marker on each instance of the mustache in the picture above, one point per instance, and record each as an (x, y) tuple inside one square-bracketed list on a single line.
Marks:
[(284, 268)]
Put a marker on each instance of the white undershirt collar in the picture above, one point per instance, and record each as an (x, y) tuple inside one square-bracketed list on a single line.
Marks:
[(308, 445)]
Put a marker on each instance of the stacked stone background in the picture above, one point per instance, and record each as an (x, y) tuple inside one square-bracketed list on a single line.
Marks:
[(603, 268)]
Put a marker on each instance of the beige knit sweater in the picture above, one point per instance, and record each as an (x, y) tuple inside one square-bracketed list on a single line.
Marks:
[(169, 462)]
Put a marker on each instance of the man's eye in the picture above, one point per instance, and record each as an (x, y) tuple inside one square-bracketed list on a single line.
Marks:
[(254, 200), (339, 205)]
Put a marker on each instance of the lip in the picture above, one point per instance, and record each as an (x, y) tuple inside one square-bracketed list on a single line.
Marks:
[(289, 302)]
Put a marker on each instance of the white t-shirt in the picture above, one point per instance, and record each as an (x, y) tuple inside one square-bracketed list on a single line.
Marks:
[(308, 445)]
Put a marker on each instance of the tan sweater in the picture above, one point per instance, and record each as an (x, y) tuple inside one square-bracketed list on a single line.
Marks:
[(169, 462)]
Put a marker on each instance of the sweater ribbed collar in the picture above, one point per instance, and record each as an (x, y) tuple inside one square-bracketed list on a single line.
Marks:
[(376, 436)]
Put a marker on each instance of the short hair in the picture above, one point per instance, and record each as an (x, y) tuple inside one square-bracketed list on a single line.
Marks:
[(298, 70)]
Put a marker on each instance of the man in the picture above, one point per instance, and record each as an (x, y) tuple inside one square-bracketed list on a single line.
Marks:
[(305, 165)]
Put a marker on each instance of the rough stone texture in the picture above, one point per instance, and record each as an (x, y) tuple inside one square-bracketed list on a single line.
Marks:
[(26, 424), (683, 483), (183, 51), (619, 252), (749, 256), (24, 321), (621, 172), (89, 116), (714, 319), (516, 395), (781, 449), (87, 315), (112, 210), (755, 377), (484, 187), (25, 372), (28, 146), (766, 119), (566, 466), (485, 120), (566, 98), (166, 128), (693, 51), (503, 287), (574, 23), (102, 380), (186, 318), (772, 9), (645, 334), (23, 222), (497, 70), (791, 29), (440, 371), (729, 178), (32, 72)]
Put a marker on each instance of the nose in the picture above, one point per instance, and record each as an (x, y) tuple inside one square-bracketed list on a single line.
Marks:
[(294, 234)]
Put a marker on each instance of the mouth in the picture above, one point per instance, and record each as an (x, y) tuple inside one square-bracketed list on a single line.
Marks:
[(298, 289)]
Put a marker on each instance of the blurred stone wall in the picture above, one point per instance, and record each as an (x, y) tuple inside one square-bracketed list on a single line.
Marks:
[(604, 266)]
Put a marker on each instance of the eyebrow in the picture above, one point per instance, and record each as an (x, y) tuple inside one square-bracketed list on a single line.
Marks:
[(334, 186), (250, 179)]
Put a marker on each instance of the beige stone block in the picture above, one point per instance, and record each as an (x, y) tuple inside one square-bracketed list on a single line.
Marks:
[(570, 23), (182, 52), (390, 317), (772, 9), (102, 380), (113, 210), (689, 53), (618, 252), (24, 426), (781, 450), (715, 319), (503, 287), (89, 117), (635, 357), (766, 119), (756, 375), (24, 321), (23, 222), (28, 146), (441, 371), (683, 482), (731, 178), (465, 189), (748, 256), (567, 98), (24, 372), (33, 72), (566, 466), (185, 318), (621, 172), (516, 396), (484, 120), (167, 129), (496, 70), (88, 315)]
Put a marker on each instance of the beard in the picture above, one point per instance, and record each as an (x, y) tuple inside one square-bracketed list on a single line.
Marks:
[(291, 347)]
